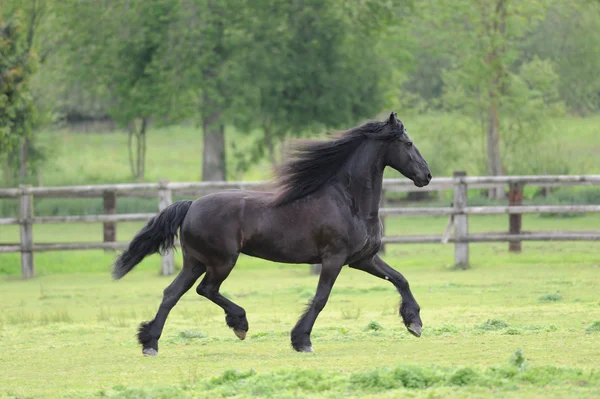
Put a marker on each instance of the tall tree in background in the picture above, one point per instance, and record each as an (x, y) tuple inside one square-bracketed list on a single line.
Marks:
[(570, 37), (310, 65), (36, 19), (484, 40), (120, 48), (203, 53), (18, 114)]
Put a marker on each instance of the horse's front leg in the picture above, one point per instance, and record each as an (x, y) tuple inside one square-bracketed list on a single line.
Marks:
[(330, 269), (409, 308)]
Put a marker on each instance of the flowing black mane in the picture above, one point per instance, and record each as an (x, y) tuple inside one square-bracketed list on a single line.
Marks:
[(314, 163)]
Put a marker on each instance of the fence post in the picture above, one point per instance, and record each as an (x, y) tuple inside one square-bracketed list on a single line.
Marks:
[(461, 223), (110, 208), (165, 199), (515, 197), (25, 216)]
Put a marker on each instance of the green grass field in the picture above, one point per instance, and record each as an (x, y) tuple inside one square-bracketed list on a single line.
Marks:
[(514, 325), (70, 331)]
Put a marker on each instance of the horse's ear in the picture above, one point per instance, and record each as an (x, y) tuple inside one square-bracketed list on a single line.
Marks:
[(393, 119)]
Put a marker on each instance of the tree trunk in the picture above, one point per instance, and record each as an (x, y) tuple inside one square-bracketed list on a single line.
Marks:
[(137, 148), (141, 143), (130, 137), (213, 155), (493, 147), (495, 60), (24, 152), (269, 144)]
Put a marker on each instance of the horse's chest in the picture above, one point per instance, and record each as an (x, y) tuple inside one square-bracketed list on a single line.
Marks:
[(370, 242)]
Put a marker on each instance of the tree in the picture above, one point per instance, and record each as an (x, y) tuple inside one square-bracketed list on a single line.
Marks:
[(569, 37), (484, 40), (35, 20), (18, 114), (204, 51), (312, 64), (120, 48)]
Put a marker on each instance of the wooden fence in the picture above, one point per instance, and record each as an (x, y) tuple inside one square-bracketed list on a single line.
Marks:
[(458, 212)]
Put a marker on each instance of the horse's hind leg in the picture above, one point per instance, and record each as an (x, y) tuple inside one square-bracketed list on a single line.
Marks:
[(149, 332), (235, 315)]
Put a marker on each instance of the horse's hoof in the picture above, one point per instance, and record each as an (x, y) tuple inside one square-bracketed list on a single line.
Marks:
[(414, 329), (241, 334), (150, 352), (306, 349)]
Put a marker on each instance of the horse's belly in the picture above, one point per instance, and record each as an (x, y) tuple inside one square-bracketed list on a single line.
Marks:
[(277, 253), (289, 246)]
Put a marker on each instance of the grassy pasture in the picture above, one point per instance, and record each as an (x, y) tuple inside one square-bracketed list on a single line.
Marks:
[(70, 332)]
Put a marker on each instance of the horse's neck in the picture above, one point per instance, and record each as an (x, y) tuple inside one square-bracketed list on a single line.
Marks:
[(364, 182)]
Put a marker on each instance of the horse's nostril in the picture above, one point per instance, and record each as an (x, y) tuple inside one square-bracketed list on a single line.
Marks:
[(429, 176)]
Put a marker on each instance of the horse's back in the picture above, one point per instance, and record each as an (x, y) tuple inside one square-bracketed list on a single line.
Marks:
[(213, 228), (227, 223), (224, 224)]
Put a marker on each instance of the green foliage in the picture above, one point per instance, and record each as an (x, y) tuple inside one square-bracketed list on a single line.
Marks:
[(518, 360), (464, 376), (471, 61), (26, 155), (230, 376), (313, 65), (593, 328), (373, 326), (120, 49), (551, 298), (18, 114), (568, 37), (375, 381), (493, 325), (401, 381), (530, 103), (528, 99), (275, 68)]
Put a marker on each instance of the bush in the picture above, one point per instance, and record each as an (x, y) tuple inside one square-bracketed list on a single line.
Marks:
[(493, 325), (593, 328), (373, 326), (550, 298)]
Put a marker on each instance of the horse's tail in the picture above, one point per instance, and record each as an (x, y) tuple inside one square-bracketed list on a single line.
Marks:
[(156, 237)]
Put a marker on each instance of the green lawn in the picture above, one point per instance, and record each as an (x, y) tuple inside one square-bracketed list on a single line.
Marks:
[(73, 334), (173, 153), (70, 331)]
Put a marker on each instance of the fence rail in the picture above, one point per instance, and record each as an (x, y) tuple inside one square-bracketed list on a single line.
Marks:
[(392, 185), (163, 190)]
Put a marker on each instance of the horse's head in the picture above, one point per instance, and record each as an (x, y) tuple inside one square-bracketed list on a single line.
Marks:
[(402, 154)]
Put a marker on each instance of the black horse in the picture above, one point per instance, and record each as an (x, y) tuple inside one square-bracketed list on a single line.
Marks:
[(325, 210)]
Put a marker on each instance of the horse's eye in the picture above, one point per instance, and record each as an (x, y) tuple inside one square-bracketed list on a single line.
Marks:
[(409, 143)]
